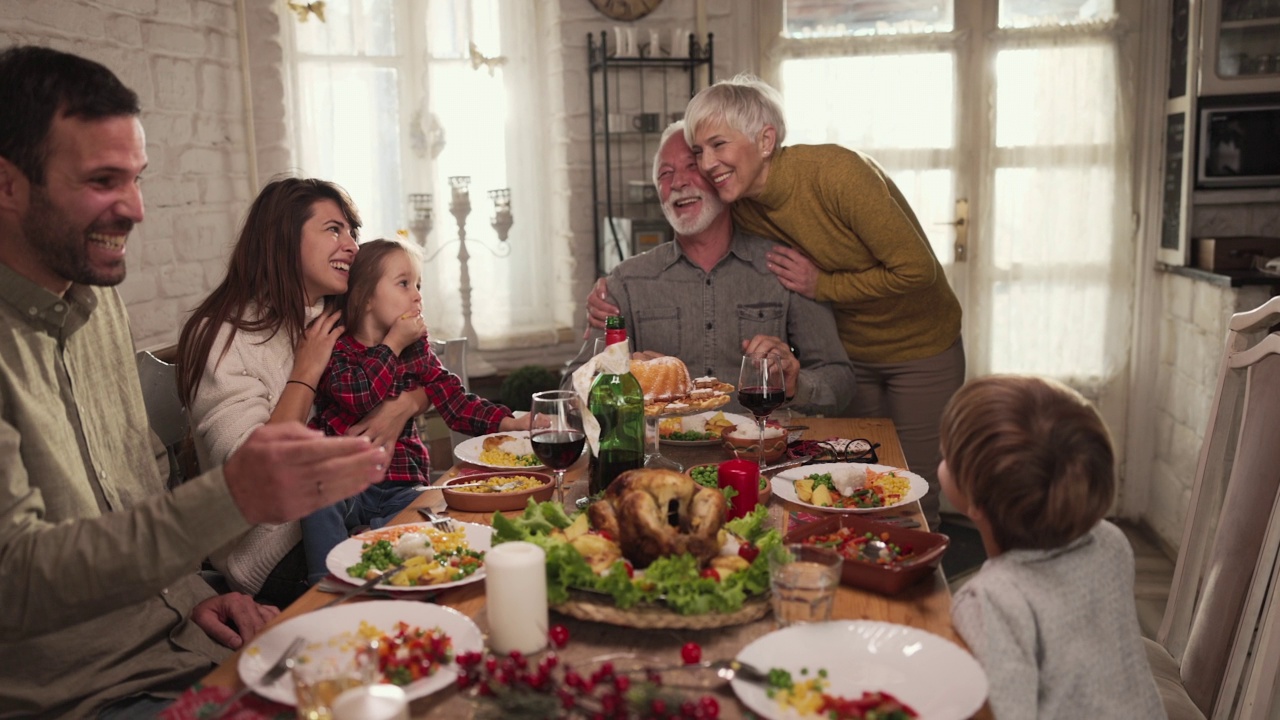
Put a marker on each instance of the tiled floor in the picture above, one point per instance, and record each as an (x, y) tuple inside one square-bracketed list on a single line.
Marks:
[(1153, 570)]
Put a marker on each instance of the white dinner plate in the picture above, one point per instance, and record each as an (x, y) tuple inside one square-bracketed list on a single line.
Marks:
[(347, 553), (785, 488), (698, 423), (931, 674), (469, 450), (340, 623)]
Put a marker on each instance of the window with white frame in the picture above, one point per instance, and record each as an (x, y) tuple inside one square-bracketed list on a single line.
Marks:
[(394, 97)]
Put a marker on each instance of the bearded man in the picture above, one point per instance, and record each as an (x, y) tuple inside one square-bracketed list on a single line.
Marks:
[(709, 297)]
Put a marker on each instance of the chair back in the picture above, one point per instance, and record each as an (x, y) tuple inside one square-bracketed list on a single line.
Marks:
[(1230, 538), (160, 394), (453, 356)]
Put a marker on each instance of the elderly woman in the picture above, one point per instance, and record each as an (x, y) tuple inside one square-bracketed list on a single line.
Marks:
[(855, 243)]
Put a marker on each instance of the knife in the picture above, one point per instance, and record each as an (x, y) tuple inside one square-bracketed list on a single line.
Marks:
[(361, 589), (795, 462)]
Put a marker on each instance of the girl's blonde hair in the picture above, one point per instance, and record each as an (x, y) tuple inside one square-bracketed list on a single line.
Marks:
[(366, 271), (1032, 455), (745, 103)]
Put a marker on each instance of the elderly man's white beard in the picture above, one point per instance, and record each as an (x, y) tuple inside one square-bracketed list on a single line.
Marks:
[(685, 225)]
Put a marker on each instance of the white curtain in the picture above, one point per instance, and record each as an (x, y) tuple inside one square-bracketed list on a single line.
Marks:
[(395, 97), (1039, 138)]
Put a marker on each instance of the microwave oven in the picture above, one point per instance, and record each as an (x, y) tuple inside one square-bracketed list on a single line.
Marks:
[(1239, 145)]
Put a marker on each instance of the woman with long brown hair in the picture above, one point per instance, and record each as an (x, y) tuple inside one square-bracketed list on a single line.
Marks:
[(253, 353)]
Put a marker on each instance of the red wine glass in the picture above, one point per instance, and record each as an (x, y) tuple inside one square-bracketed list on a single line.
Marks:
[(557, 433), (761, 388)]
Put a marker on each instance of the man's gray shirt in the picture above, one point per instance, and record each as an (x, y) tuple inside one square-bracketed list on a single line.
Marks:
[(673, 307)]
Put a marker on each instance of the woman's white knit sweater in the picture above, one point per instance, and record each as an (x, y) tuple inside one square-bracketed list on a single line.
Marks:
[(237, 393)]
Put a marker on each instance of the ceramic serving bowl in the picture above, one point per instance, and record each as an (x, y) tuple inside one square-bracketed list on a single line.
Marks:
[(744, 442), (490, 502), (927, 550)]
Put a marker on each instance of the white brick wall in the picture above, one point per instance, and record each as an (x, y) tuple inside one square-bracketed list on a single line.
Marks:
[(182, 58), (1193, 332)]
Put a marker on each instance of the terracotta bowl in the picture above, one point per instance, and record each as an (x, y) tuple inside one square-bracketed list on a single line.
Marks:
[(884, 579), (490, 502), (744, 443), (765, 493)]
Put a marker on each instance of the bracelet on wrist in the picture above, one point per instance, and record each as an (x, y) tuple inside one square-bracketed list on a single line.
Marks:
[(299, 382)]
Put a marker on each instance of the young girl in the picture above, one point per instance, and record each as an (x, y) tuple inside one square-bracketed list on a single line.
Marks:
[(1051, 614), (383, 353)]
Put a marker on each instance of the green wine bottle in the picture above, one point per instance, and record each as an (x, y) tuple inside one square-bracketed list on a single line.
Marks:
[(617, 402)]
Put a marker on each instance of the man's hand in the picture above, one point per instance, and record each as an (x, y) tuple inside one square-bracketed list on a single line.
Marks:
[(285, 472), (790, 365), (383, 425), (598, 306), (795, 271), (232, 619)]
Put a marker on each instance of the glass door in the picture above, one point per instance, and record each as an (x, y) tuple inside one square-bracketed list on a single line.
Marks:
[(1004, 124)]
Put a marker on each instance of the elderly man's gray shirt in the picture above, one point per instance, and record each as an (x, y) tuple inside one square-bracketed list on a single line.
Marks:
[(675, 308)]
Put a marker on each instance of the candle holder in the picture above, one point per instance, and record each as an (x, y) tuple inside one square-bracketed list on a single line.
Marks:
[(420, 216), (460, 208)]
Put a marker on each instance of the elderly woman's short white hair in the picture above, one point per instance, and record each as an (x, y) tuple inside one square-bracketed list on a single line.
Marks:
[(745, 103)]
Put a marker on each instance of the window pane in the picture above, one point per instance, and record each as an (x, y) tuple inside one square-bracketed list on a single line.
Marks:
[(351, 27), (1042, 327), (1038, 104), (351, 118), (1033, 13), (869, 110), (1053, 217), (835, 18)]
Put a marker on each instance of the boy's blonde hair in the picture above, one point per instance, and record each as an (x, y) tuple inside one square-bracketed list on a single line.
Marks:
[(362, 278), (1032, 455), (744, 102)]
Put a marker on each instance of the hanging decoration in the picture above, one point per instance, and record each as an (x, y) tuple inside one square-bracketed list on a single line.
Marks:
[(478, 58), (303, 9)]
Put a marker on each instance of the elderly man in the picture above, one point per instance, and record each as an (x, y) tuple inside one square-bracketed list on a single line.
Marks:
[(709, 297), (103, 614)]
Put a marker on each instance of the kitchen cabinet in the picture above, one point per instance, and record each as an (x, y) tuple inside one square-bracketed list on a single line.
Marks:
[(1240, 47), (633, 96)]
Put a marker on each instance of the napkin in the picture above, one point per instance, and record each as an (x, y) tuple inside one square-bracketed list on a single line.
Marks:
[(200, 699), (615, 358)]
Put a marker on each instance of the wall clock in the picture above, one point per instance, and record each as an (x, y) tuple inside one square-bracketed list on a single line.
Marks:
[(626, 10)]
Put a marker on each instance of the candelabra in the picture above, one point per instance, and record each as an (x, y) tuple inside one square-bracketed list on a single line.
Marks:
[(420, 216), (460, 208)]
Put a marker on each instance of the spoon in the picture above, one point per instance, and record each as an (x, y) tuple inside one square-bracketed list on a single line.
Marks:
[(493, 488), (873, 551)]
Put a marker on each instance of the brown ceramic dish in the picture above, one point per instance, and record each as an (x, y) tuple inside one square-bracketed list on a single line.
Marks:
[(490, 502), (884, 579), (745, 443)]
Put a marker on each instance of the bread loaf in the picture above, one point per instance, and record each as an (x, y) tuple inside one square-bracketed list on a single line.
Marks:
[(662, 379)]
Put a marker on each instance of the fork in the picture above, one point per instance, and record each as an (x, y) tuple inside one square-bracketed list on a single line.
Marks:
[(273, 673), (441, 522)]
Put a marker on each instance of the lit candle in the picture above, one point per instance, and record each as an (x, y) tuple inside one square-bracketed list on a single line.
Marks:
[(516, 597), (744, 477)]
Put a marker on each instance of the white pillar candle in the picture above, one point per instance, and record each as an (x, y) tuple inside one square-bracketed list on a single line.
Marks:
[(371, 702), (516, 597)]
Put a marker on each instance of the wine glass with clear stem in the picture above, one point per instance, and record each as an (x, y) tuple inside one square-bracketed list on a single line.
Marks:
[(557, 432), (761, 388)]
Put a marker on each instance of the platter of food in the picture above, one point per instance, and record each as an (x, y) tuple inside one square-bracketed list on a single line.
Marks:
[(500, 451), (908, 556), (698, 429), (496, 491), (669, 391), (335, 633), (622, 561), (901, 666), (434, 559), (849, 487)]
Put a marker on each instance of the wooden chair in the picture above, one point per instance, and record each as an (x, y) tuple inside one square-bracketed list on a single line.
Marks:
[(1211, 660), (165, 413)]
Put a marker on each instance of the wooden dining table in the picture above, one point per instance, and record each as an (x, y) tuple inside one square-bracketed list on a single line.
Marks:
[(925, 605)]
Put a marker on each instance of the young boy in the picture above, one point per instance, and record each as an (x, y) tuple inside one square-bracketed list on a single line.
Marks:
[(1050, 615)]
